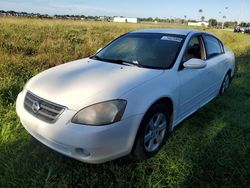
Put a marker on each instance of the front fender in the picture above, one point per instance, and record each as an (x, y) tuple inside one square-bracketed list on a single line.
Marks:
[(141, 98)]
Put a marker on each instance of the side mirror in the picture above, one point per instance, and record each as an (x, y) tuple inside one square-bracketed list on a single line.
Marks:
[(99, 50), (194, 63)]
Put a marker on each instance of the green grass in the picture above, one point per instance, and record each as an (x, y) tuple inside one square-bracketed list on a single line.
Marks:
[(209, 149)]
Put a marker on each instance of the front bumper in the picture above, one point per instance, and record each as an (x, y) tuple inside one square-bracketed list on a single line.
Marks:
[(91, 144)]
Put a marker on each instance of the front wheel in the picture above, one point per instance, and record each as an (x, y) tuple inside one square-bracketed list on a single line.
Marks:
[(153, 132)]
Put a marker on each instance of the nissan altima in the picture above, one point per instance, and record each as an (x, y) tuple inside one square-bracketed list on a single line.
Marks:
[(128, 97)]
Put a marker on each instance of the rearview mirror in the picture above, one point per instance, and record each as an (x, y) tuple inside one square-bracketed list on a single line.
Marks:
[(195, 63), (99, 50)]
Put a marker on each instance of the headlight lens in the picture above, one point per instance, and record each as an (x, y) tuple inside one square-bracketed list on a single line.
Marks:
[(101, 113)]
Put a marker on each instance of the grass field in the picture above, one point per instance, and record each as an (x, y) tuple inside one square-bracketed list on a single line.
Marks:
[(209, 149)]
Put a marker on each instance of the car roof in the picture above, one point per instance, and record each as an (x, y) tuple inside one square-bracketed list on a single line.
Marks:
[(184, 32)]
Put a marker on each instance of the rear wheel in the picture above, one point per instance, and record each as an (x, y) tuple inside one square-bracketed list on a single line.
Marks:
[(225, 84), (153, 132)]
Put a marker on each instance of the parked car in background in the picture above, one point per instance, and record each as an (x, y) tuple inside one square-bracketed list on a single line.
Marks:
[(247, 30), (239, 29), (128, 97)]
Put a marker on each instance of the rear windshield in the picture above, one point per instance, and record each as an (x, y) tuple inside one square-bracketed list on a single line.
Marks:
[(152, 50)]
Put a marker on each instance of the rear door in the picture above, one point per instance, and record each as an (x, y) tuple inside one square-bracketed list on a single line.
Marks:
[(216, 62)]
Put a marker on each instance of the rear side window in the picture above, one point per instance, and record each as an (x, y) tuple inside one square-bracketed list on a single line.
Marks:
[(213, 46)]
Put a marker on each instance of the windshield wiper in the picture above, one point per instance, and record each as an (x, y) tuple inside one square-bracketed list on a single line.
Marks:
[(96, 57), (117, 61), (124, 62)]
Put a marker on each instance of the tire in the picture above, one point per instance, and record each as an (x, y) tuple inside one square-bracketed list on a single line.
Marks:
[(226, 83), (152, 133)]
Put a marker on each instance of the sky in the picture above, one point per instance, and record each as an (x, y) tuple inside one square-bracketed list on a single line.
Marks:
[(136, 8)]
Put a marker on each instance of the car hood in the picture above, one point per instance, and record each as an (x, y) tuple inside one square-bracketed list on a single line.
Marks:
[(73, 84)]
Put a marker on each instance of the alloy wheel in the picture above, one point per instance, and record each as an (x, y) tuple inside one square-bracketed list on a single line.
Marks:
[(155, 132), (225, 84)]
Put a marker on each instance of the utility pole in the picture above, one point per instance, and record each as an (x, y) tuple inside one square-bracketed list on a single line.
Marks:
[(224, 17), (218, 19), (223, 23), (200, 14), (242, 2)]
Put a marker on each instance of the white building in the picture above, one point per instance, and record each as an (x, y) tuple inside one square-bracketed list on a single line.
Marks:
[(125, 20), (199, 24)]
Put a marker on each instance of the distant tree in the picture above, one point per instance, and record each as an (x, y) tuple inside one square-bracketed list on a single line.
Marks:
[(150, 19), (230, 24), (243, 24), (12, 12), (190, 20), (212, 22), (203, 18)]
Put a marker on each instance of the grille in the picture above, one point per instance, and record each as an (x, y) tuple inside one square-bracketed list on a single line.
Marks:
[(42, 109)]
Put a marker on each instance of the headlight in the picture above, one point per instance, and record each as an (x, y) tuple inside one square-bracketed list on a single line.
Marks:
[(101, 113)]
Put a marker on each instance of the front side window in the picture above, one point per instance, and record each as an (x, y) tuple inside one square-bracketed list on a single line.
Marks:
[(151, 50), (195, 49), (213, 46)]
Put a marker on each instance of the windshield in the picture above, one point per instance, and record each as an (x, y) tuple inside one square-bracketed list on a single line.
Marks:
[(151, 50)]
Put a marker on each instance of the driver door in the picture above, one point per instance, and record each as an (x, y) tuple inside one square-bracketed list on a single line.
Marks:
[(194, 83)]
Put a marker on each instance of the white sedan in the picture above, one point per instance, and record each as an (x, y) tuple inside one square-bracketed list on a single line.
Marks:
[(128, 97)]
